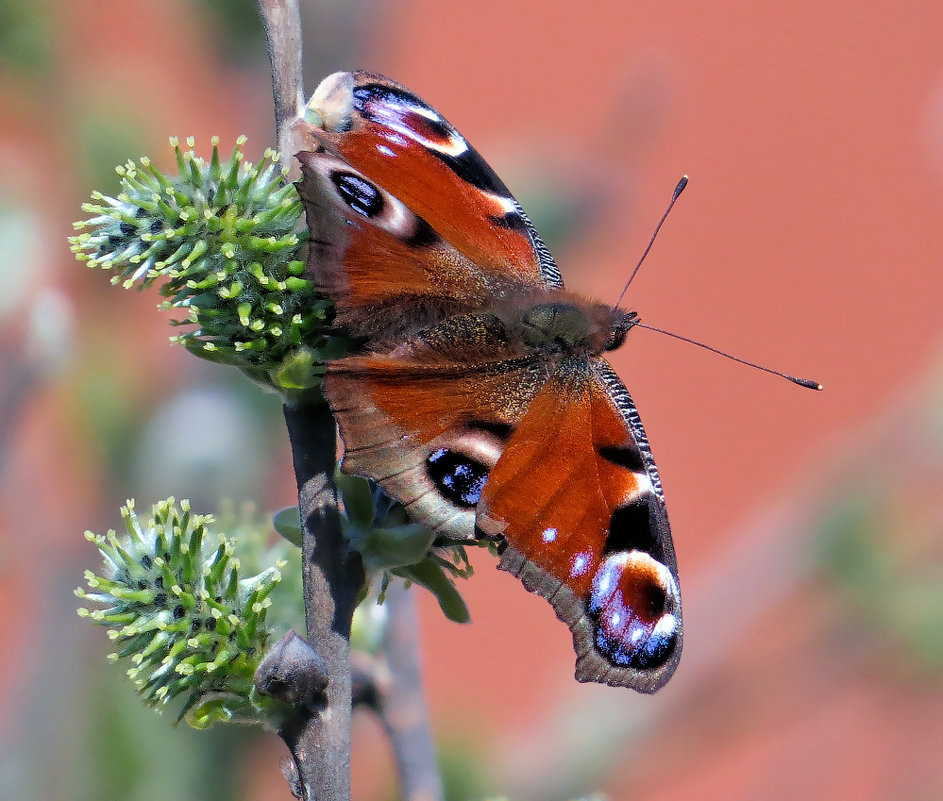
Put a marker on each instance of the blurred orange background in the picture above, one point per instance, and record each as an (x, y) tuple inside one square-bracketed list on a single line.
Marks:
[(809, 239)]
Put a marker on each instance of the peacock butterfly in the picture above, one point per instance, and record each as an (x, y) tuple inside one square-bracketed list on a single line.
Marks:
[(479, 398)]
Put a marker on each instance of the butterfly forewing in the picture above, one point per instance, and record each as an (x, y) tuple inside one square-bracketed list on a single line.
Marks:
[(585, 528), (384, 130)]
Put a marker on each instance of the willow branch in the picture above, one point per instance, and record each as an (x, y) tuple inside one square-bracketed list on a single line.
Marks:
[(319, 736), (318, 682), (282, 22)]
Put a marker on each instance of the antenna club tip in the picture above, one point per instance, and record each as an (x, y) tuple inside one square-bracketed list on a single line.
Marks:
[(679, 188), (808, 383)]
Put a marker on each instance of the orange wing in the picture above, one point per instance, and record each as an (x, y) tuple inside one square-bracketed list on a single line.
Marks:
[(396, 411), (386, 270), (393, 137), (577, 498)]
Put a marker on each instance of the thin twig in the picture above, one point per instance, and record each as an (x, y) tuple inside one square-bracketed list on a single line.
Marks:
[(20, 378), (402, 707), (390, 685), (282, 22)]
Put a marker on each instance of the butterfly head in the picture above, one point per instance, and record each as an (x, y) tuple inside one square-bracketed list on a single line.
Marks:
[(621, 322)]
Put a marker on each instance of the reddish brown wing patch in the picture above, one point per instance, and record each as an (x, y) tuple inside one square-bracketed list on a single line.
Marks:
[(585, 528), (425, 401), (399, 413), (396, 139), (468, 218), (552, 495), (369, 253)]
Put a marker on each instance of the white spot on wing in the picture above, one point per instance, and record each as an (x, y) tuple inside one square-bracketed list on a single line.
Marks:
[(665, 627), (507, 204), (455, 145), (426, 112), (396, 218), (580, 563), (607, 579), (395, 138), (644, 484), (549, 535)]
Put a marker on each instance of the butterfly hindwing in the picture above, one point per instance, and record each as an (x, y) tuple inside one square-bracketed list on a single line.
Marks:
[(583, 519)]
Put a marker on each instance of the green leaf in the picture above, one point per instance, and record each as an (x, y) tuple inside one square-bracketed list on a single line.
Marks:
[(204, 715), (384, 548), (287, 522), (301, 369), (358, 499), (430, 575)]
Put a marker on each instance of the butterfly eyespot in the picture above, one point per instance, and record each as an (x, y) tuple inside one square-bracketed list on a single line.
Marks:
[(403, 111), (458, 477), (359, 195), (632, 603)]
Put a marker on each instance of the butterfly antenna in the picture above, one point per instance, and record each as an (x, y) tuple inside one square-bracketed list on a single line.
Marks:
[(675, 195), (802, 382)]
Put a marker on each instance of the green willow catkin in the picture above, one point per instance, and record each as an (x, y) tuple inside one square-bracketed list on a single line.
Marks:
[(223, 240), (179, 612)]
